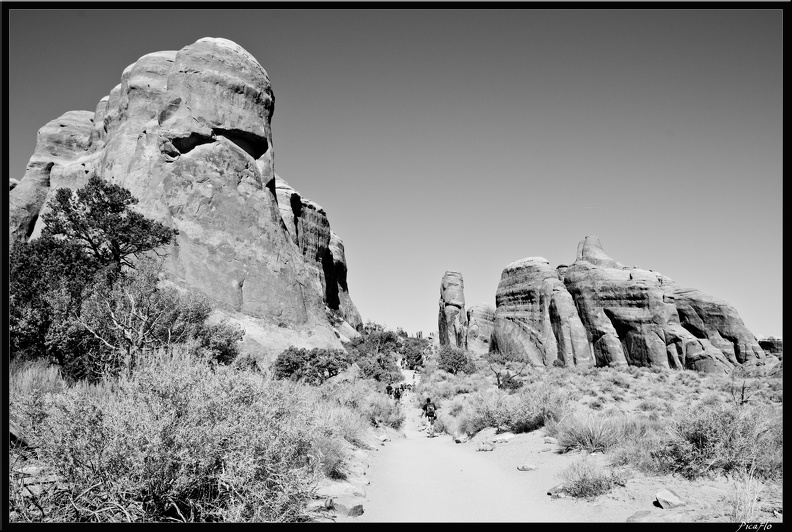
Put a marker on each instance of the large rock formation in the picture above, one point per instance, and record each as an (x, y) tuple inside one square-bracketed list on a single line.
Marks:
[(535, 317), (452, 319), (188, 133), (602, 312), (481, 319), (772, 346)]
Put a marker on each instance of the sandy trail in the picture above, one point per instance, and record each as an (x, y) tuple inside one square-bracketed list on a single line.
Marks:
[(417, 478)]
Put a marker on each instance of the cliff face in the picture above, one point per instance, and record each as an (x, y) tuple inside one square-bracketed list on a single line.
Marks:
[(481, 318), (188, 133), (598, 311)]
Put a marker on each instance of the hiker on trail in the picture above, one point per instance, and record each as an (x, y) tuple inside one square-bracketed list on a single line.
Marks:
[(430, 411), (389, 389), (397, 393)]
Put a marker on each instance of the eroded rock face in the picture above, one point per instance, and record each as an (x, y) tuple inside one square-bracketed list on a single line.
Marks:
[(598, 311), (188, 133), (452, 319), (772, 346), (535, 317), (481, 320), (59, 144)]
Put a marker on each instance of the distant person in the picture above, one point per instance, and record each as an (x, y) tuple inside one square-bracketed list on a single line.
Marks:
[(397, 393), (430, 411), (389, 389)]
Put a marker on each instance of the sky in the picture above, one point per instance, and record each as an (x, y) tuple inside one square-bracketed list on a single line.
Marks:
[(467, 139)]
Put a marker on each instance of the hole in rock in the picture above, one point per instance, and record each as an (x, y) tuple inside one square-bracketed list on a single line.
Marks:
[(254, 145), (187, 144)]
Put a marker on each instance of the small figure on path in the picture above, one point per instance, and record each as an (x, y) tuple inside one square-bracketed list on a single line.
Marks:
[(430, 411), (389, 389), (397, 393)]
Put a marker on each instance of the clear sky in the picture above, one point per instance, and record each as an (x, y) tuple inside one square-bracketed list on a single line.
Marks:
[(464, 140)]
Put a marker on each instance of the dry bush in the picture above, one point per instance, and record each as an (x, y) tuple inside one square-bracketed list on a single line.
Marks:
[(725, 439), (36, 374), (440, 385), (590, 433), (584, 478), (744, 500), (182, 440), (360, 395), (530, 408)]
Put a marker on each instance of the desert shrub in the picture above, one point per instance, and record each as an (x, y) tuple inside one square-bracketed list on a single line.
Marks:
[(413, 351), (620, 380), (135, 313), (530, 408), (182, 440), (648, 405), (440, 385), (309, 366), (584, 478), (710, 399), (723, 438), (455, 360), (360, 395), (597, 404), (25, 376), (744, 501), (590, 433)]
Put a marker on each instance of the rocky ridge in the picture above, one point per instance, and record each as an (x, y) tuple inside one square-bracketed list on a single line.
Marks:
[(599, 312), (188, 133)]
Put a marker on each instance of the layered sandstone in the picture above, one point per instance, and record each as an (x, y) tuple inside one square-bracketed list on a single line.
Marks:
[(452, 319), (481, 319), (535, 317), (188, 133), (772, 346), (598, 311)]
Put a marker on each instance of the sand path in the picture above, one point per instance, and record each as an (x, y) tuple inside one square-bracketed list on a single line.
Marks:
[(415, 478)]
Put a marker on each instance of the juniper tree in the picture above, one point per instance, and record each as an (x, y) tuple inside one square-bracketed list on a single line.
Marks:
[(99, 219)]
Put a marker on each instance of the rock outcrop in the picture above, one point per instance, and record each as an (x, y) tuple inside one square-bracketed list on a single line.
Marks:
[(535, 317), (188, 133), (598, 311), (481, 319), (772, 346), (452, 319)]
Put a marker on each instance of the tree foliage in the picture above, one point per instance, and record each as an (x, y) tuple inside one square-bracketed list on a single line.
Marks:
[(310, 366), (99, 219), (454, 360), (86, 294)]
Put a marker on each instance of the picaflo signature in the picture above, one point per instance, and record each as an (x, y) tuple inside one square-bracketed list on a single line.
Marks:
[(754, 526)]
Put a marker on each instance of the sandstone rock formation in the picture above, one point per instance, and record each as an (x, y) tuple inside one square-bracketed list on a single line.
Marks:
[(536, 318), (772, 346), (452, 319), (481, 319), (188, 133), (598, 311)]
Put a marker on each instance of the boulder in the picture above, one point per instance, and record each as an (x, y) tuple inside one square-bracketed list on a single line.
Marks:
[(452, 318), (481, 321), (667, 499), (188, 133), (527, 467)]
